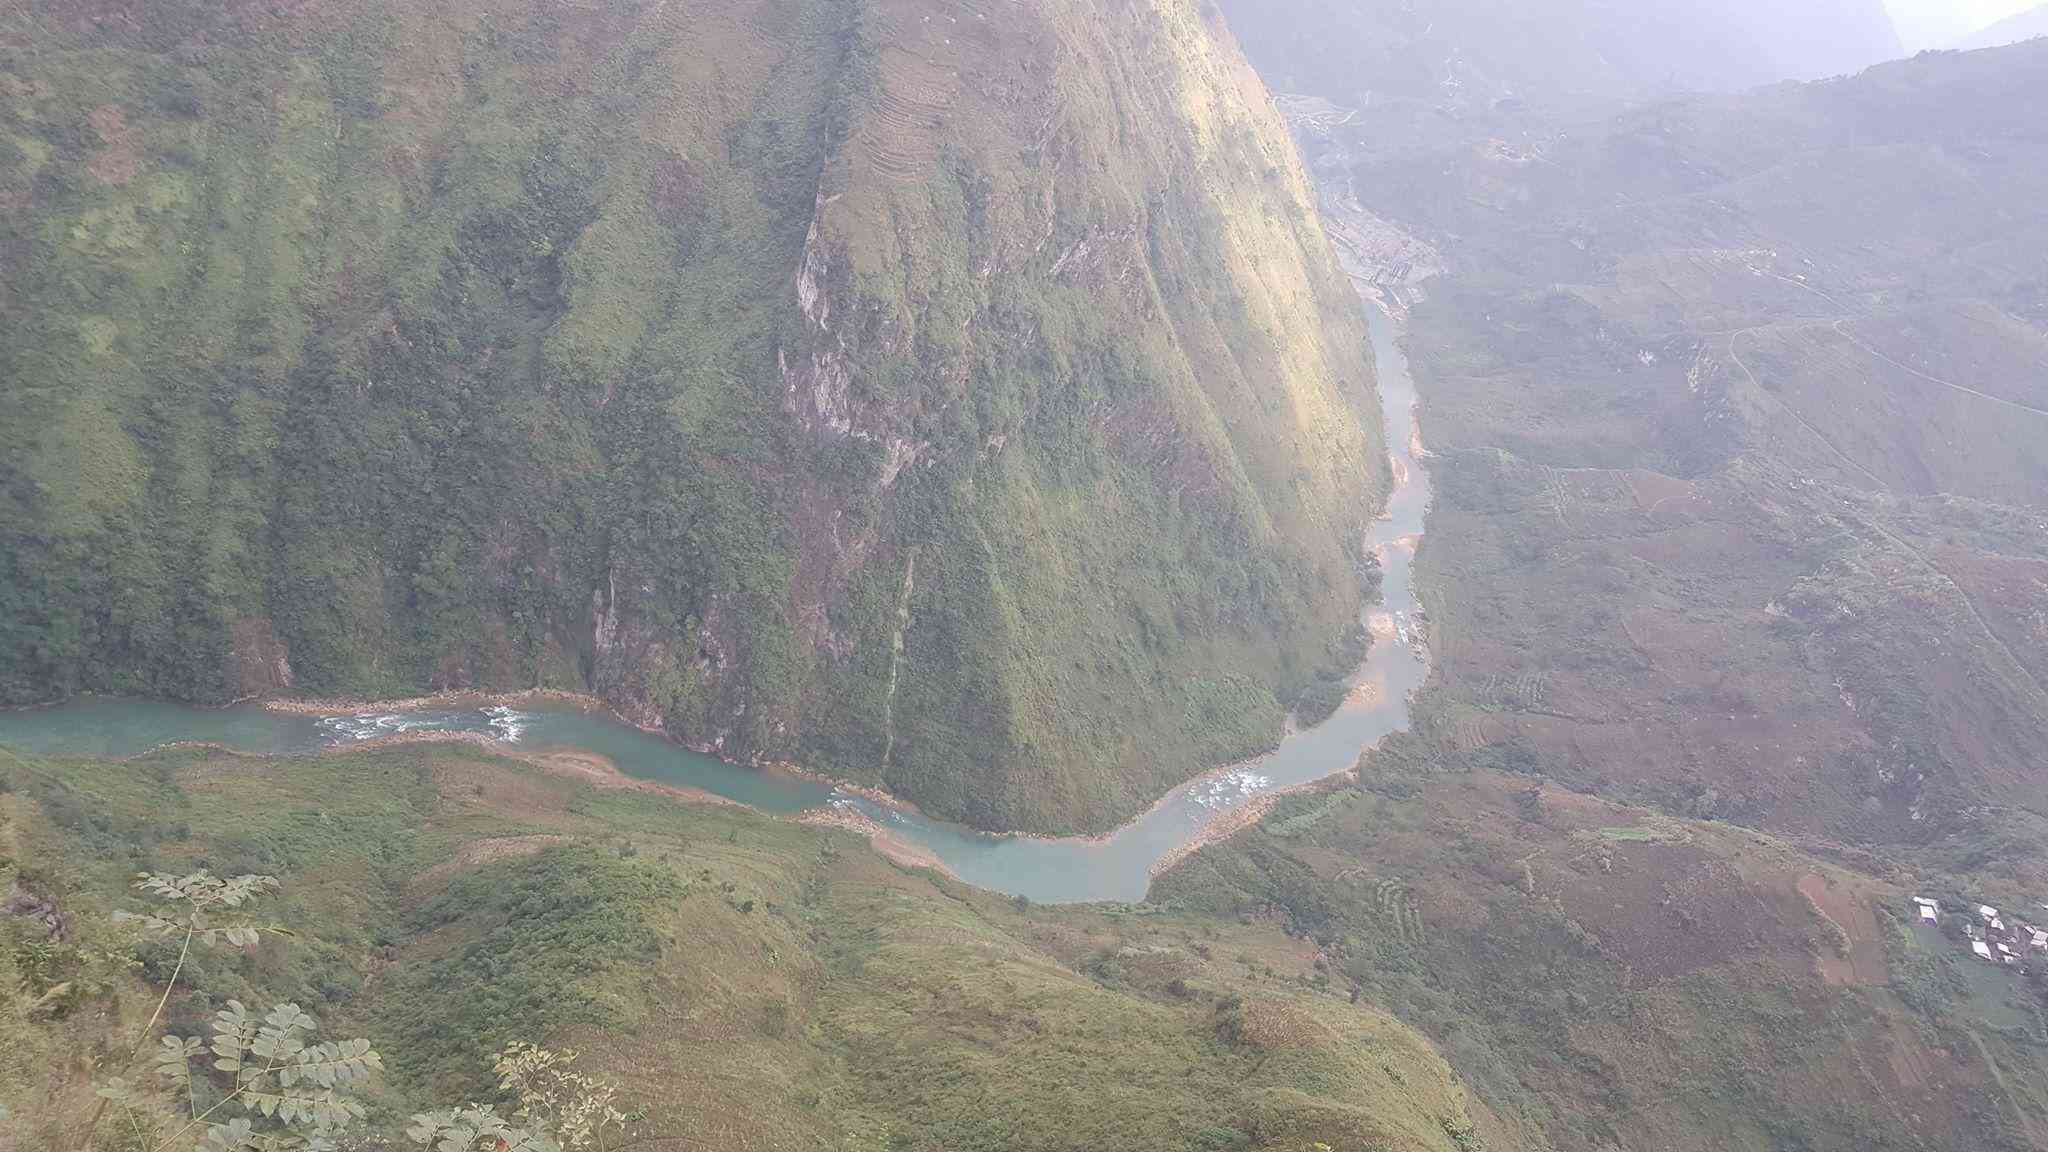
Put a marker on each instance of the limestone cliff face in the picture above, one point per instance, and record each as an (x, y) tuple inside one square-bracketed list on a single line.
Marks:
[(961, 396)]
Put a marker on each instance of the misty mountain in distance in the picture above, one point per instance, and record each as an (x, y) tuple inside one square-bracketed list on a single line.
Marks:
[(1353, 51), (2027, 25), (1738, 413)]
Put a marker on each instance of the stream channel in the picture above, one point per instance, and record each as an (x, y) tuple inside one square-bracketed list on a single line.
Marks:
[(1113, 868)]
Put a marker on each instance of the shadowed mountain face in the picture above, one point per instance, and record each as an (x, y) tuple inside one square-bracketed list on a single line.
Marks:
[(955, 395), (1344, 50)]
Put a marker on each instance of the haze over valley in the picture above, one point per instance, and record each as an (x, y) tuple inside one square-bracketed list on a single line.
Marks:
[(1310, 575)]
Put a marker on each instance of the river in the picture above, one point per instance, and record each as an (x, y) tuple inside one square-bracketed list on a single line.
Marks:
[(1115, 868)]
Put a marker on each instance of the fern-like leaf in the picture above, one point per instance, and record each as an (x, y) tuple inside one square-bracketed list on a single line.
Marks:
[(282, 1033), (233, 1136), (155, 924), (174, 1060), (473, 1128), (234, 1030), (203, 889)]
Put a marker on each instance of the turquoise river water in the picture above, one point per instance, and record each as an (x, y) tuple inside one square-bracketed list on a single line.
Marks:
[(1117, 867)]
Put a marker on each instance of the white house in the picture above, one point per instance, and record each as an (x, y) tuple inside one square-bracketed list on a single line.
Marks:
[(1981, 948), (1987, 911), (1927, 914)]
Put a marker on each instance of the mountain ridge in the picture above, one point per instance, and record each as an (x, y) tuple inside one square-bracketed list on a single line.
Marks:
[(2029, 25), (1454, 52)]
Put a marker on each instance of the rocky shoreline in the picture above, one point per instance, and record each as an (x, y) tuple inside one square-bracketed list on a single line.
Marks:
[(1232, 821), (345, 706), (891, 846)]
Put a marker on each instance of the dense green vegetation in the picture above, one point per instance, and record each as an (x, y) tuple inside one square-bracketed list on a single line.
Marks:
[(526, 937), (751, 983), (799, 377)]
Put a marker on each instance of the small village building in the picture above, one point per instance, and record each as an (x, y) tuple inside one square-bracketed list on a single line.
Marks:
[(1981, 948), (1987, 911), (1997, 925), (2006, 949), (1927, 914), (2040, 938)]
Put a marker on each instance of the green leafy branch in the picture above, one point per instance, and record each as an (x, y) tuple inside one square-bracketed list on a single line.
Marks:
[(476, 1127), (202, 895), (296, 1089), (295, 1093)]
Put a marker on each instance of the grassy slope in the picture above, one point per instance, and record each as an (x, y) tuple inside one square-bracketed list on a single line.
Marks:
[(756, 984), (1613, 978), (707, 355)]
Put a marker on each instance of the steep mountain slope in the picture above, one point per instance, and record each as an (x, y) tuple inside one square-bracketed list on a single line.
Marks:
[(949, 394), (1458, 51)]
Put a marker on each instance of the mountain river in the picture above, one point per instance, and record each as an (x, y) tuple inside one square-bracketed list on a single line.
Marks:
[(1114, 868)]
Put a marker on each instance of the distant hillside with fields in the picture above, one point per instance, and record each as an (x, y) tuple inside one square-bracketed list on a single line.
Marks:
[(1737, 585), (1742, 409)]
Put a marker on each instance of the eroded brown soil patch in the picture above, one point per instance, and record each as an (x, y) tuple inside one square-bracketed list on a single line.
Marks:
[(117, 161), (478, 853), (1862, 962)]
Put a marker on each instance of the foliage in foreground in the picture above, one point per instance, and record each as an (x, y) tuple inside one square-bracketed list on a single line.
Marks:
[(296, 1092), (795, 990)]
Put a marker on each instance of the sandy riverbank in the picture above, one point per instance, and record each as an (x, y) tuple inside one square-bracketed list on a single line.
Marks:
[(582, 701), (1232, 821), (893, 847), (344, 706), (588, 767), (600, 772), (872, 794)]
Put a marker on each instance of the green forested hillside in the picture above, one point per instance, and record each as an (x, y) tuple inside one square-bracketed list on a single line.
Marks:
[(955, 395)]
